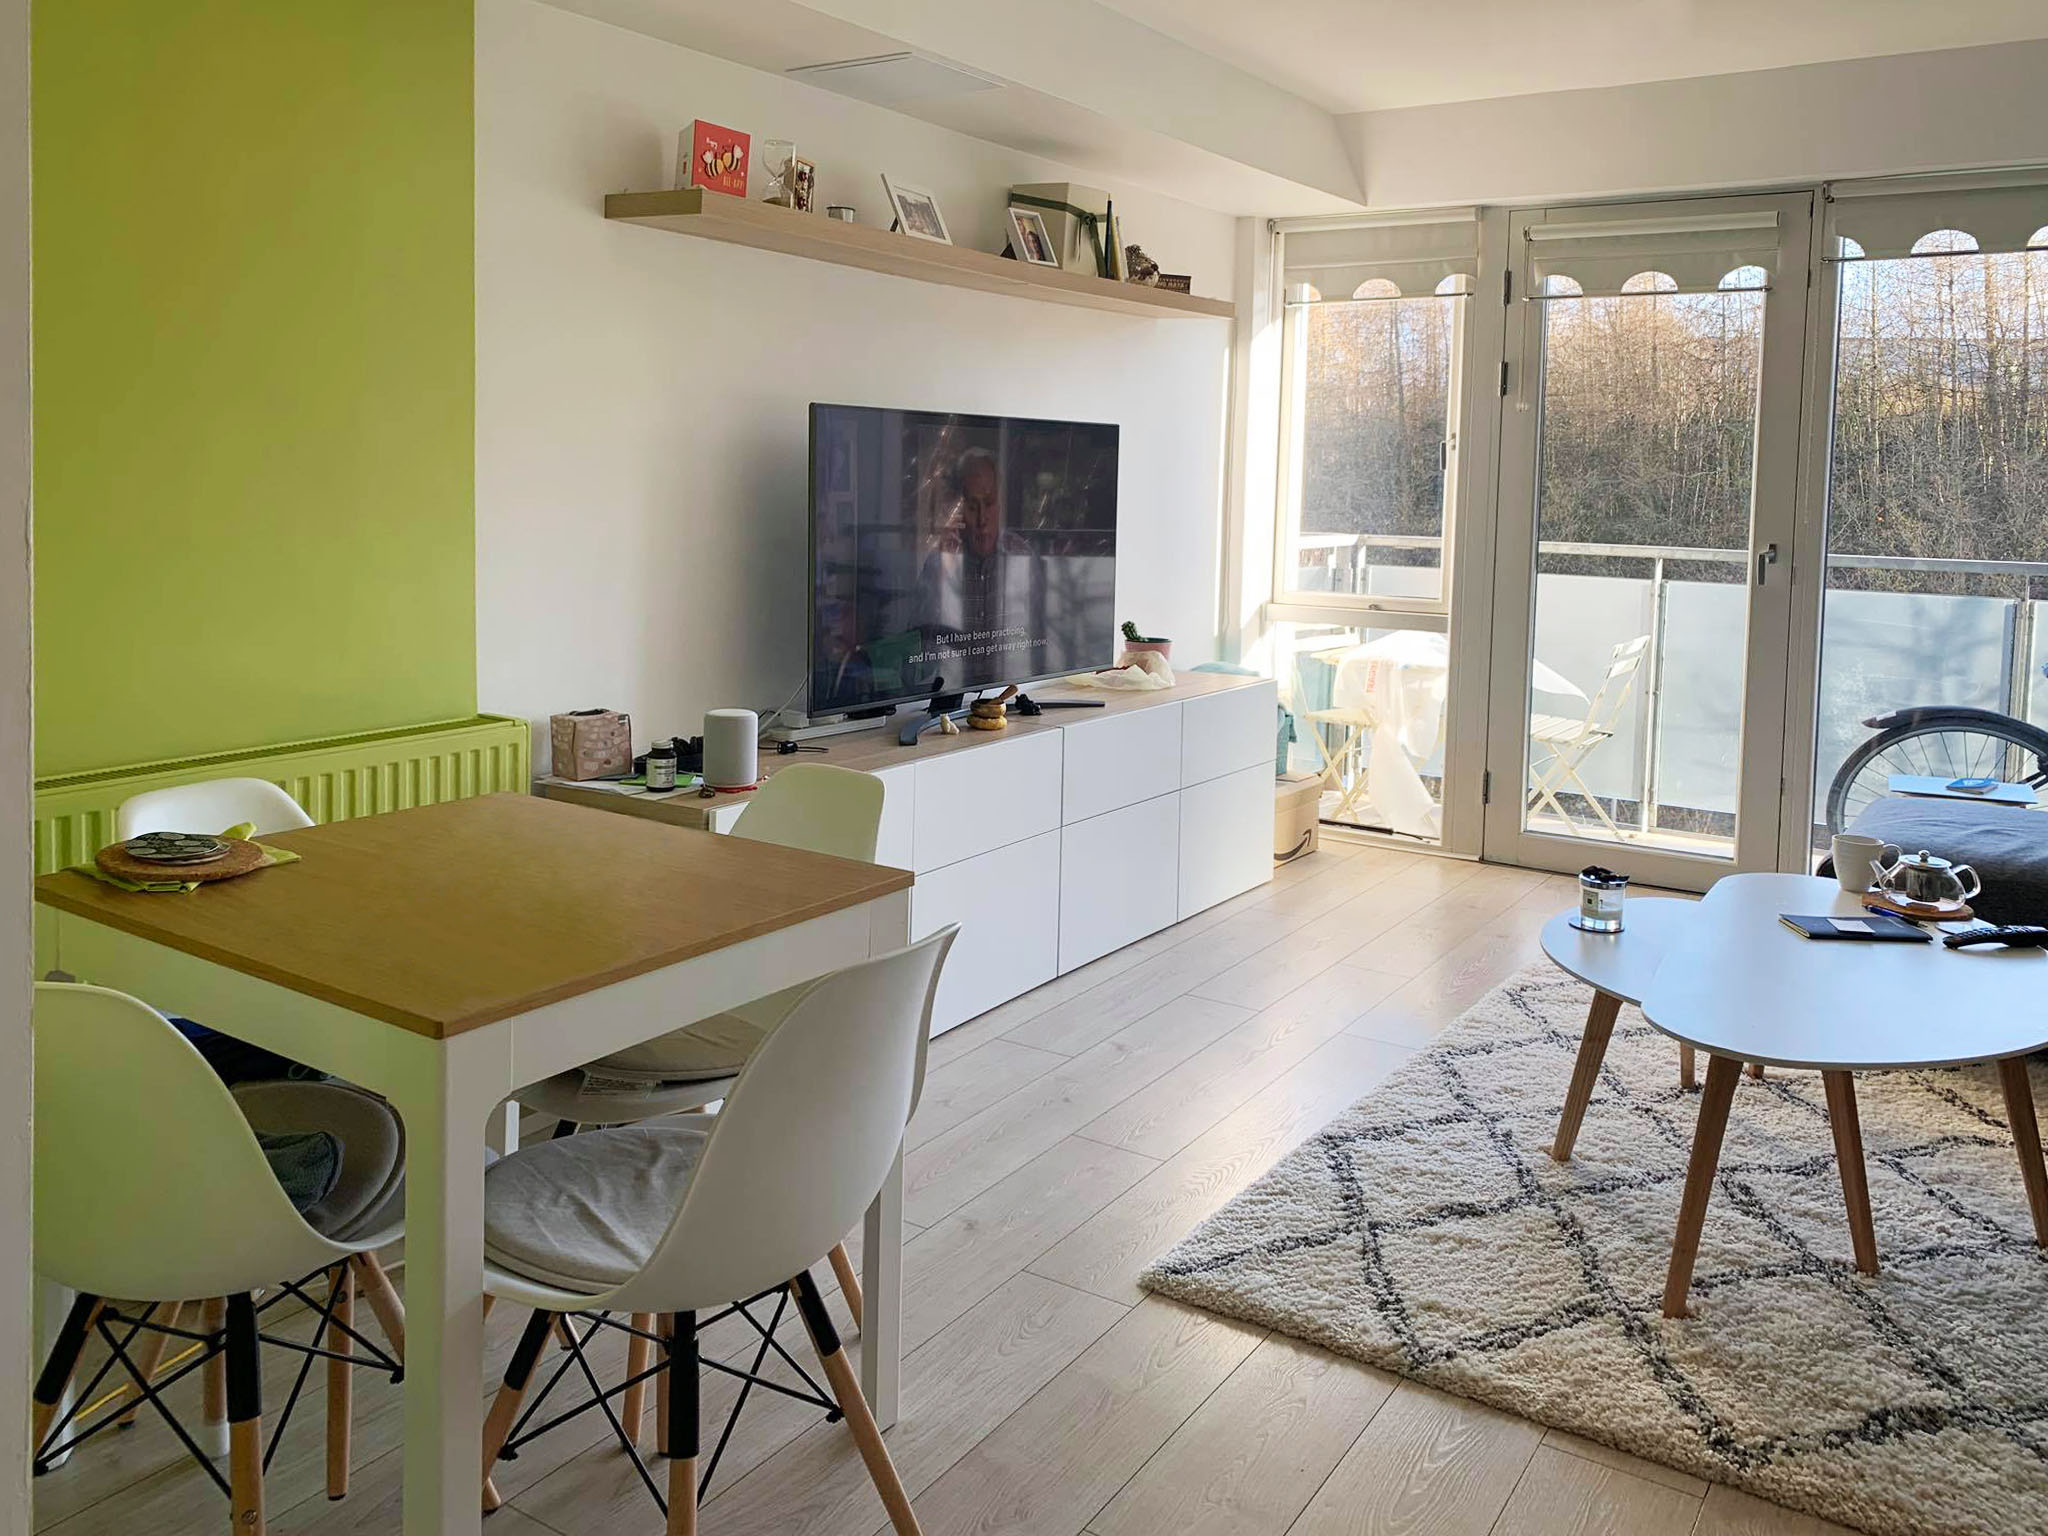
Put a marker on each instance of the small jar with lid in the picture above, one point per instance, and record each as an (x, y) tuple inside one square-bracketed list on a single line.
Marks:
[(661, 768)]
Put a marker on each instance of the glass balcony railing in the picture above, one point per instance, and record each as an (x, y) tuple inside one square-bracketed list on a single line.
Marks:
[(1897, 632)]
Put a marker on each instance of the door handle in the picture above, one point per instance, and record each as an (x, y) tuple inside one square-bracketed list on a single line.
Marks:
[(1765, 559)]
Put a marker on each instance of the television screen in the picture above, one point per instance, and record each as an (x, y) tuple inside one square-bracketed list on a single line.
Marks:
[(956, 552)]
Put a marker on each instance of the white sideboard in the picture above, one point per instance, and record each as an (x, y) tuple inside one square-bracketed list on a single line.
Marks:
[(1064, 837), (1053, 846)]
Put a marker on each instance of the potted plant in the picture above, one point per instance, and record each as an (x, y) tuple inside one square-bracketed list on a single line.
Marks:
[(1133, 641)]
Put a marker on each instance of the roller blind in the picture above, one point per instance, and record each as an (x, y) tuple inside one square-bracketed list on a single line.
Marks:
[(1414, 252), (1696, 251), (1886, 219)]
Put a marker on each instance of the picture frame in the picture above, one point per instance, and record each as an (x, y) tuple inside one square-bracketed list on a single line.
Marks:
[(917, 211), (803, 184), (1030, 239)]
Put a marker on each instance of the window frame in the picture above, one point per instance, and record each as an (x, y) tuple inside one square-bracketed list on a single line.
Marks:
[(1288, 602)]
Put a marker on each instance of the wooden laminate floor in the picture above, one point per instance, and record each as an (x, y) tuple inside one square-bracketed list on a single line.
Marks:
[(1065, 1140)]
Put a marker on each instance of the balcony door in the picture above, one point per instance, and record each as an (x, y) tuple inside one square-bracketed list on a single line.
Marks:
[(1649, 467)]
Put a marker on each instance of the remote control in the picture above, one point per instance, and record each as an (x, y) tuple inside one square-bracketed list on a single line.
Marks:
[(2014, 936)]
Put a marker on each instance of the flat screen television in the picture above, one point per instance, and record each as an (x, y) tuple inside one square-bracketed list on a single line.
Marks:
[(953, 553)]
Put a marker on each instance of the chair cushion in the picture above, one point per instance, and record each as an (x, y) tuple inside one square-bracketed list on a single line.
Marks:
[(2006, 845), (715, 1047), (372, 1145), (585, 1212), (582, 1100)]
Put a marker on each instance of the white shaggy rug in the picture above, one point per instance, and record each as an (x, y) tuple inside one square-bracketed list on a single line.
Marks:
[(1428, 1231)]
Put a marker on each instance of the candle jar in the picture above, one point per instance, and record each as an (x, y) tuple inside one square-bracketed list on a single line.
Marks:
[(1600, 900)]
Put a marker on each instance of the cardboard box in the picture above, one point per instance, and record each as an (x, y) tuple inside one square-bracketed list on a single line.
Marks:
[(1297, 823), (591, 744), (1070, 240), (713, 158)]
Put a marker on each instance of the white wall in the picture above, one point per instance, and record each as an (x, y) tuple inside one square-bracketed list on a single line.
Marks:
[(1958, 108), (641, 396), (16, 958)]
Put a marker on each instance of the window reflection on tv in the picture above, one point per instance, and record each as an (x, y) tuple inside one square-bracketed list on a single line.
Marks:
[(954, 553)]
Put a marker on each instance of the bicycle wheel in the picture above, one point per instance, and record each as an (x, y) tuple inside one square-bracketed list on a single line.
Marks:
[(1937, 743)]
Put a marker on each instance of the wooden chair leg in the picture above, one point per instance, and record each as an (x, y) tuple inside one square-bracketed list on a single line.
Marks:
[(340, 1381), (1715, 1100), (679, 1435), (149, 1353), (245, 1418), (639, 1355), (376, 1288), (849, 1283), (1585, 1072), (505, 1407), (57, 1370), (846, 1390), (1842, 1120), (1688, 1074), (2026, 1139), (213, 1379)]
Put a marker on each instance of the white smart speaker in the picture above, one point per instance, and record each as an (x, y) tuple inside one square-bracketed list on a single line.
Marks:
[(731, 748)]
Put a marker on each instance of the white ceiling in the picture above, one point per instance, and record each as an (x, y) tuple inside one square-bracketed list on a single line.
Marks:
[(1358, 55)]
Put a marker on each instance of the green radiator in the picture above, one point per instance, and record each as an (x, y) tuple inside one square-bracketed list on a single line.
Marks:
[(334, 779)]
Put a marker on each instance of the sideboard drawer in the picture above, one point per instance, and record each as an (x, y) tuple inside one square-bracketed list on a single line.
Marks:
[(974, 800)]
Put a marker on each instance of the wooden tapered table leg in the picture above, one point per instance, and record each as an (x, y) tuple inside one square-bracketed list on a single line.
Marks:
[(1585, 1072), (2026, 1139), (1842, 1120), (1688, 1074), (1715, 1100)]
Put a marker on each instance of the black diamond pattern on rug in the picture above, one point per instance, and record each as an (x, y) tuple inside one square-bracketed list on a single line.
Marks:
[(1428, 1231)]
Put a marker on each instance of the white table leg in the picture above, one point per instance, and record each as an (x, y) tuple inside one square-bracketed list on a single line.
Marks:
[(881, 1263), (456, 1085)]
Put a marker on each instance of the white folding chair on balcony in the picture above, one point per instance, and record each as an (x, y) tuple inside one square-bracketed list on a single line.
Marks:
[(1356, 724), (1559, 745)]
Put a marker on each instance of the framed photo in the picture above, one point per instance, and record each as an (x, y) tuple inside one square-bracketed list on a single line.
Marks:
[(917, 212), (1030, 239), (803, 184)]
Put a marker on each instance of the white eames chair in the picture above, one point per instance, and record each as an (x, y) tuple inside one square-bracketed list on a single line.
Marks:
[(149, 1182), (211, 807), (673, 1220), (812, 806)]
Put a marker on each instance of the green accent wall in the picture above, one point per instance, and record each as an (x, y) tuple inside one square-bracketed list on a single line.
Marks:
[(254, 373)]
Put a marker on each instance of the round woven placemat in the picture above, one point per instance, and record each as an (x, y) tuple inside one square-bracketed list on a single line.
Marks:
[(241, 857)]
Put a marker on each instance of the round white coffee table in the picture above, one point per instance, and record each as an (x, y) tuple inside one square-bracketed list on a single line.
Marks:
[(1745, 988), (1619, 968)]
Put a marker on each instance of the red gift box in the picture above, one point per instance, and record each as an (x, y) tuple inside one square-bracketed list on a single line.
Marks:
[(717, 158)]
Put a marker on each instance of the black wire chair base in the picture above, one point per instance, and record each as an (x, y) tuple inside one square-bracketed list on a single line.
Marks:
[(152, 1392), (601, 1398)]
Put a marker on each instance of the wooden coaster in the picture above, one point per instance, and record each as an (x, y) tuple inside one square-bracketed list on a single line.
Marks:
[(1918, 911), (242, 856)]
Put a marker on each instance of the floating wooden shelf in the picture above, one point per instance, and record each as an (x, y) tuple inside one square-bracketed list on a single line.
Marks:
[(738, 222)]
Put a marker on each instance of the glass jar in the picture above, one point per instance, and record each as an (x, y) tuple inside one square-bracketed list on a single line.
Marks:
[(661, 769), (1600, 899)]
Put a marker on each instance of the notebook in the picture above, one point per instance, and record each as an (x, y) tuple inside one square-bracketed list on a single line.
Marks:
[(1870, 928)]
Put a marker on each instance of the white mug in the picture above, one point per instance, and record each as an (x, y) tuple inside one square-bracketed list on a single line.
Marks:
[(1858, 858)]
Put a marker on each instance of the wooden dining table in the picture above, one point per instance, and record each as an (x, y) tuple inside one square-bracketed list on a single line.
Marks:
[(447, 956)]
